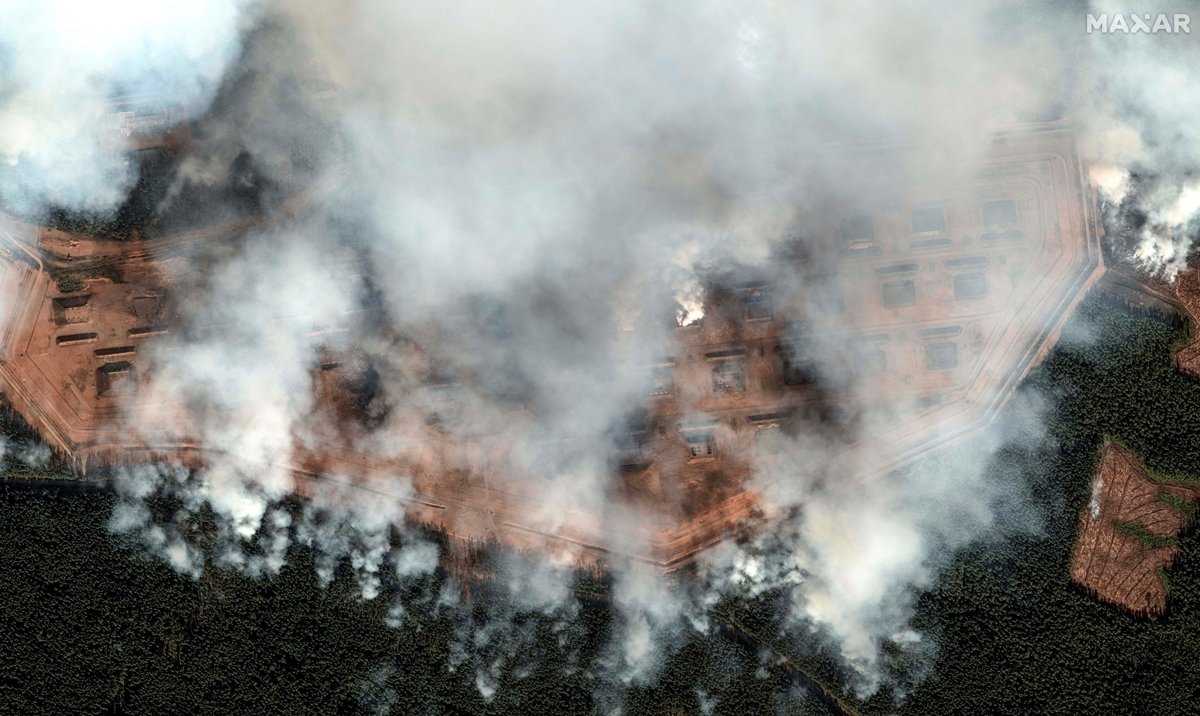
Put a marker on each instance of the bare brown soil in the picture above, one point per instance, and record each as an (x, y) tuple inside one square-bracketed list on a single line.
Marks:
[(1126, 535)]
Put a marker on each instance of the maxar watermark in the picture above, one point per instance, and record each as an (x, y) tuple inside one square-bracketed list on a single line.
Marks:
[(1132, 23)]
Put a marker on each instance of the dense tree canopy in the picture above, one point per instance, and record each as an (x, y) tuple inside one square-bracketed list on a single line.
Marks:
[(89, 624)]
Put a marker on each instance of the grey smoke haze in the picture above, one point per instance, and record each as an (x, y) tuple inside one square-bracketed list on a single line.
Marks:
[(1140, 101), (518, 184), (63, 61)]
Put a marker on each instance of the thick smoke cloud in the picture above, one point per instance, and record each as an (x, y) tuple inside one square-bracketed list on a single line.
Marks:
[(1139, 103), (64, 62), (557, 169), (857, 554), (503, 192)]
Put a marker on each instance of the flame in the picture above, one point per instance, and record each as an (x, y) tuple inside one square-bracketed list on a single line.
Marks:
[(689, 304)]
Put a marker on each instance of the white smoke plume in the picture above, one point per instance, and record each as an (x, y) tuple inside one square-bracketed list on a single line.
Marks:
[(858, 553), (522, 169), (64, 65), (515, 185), (1137, 101)]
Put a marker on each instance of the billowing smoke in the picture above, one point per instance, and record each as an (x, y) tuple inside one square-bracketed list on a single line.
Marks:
[(858, 552), (498, 199), (1137, 104), (68, 65)]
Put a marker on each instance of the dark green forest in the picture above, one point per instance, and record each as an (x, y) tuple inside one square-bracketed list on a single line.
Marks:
[(1013, 635), (91, 625)]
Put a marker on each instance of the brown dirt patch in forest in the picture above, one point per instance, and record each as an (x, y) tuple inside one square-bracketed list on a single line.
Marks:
[(1187, 291), (1127, 534)]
